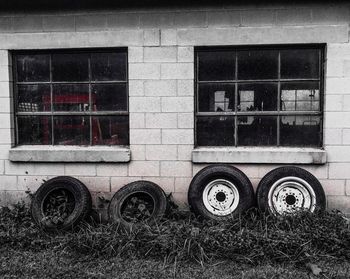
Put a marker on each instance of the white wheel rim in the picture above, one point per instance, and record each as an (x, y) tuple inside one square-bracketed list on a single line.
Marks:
[(220, 197), (289, 194)]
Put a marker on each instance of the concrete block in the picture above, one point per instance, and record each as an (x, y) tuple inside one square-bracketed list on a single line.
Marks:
[(157, 20), (338, 51), (151, 37), (184, 152), (177, 71), (144, 104), (334, 102), (191, 19), (4, 151), (182, 184), (123, 20), (4, 58), (257, 17), (161, 120), (119, 182), (180, 199), (185, 87), (135, 54), (160, 54), (90, 22), (30, 183), (145, 136), (339, 202), (165, 183), (176, 169), (335, 68), (338, 153), (338, 86), (161, 152), (185, 120), (5, 136), (346, 136), (293, 16), (168, 37), (6, 105), (96, 184), (347, 68), (5, 73), (112, 170), (47, 169), (337, 120), (58, 23), (320, 171), (177, 104), (144, 71), (197, 167), (333, 136), (2, 166), (330, 14), (185, 54), (177, 136), (6, 120), (347, 188), (137, 120), (6, 24), (13, 197), (333, 187), (27, 24), (138, 152), (160, 88), (224, 18), (144, 168), (136, 88), (339, 171), (346, 103), (5, 89), (81, 169)]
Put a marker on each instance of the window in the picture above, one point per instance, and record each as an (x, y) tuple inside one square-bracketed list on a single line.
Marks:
[(259, 96), (71, 97)]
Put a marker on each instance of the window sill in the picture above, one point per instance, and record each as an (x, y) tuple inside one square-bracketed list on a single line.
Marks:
[(30, 153), (260, 155)]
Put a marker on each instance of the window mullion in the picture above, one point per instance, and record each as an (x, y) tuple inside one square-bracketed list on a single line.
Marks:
[(90, 99), (236, 100), (51, 97), (279, 100)]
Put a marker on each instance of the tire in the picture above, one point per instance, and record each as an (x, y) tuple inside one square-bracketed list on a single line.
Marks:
[(220, 186), (288, 189), (137, 202), (60, 204)]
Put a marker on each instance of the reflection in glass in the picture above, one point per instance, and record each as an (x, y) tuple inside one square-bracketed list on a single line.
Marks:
[(108, 66), (70, 97), (215, 130), (110, 130), (32, 98), (33, 68), (300, 96), (34, 130), (70, 67), (257, 130), (216, 97), (300, 130), (109, 97), (71, 130), (216, 65), (257, 97)]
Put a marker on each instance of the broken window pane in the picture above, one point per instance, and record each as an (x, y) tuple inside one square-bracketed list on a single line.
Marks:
[(34, 130), (257, 130), (257, 97), (215, 97), (216, 65), (70, 67), (110, 130), (109, 97), (300, 130), (215, 130), (33, 68), (71, 130), (33, 98), (108, 66), (70, 97)]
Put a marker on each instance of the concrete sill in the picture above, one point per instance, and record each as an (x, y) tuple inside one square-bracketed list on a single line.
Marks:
[(30, 153), (259, 155)]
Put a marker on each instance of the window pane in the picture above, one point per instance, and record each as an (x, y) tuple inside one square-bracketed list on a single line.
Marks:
[(110, 130), (300, 96), (300, 131), (257, 64), (216, 97), (257, 130), (34, 129), (257, 97), (70, 97), (32, 98), (33, 67), (108, 66), (216, 65), (71, 130), (109, 97), (300, 63), (215, 130), (70, 67)]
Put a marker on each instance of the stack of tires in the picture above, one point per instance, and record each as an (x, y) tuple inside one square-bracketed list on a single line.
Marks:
[(218, 192)]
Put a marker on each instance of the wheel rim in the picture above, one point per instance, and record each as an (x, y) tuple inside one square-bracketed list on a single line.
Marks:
[(289, 194), (220, 197)]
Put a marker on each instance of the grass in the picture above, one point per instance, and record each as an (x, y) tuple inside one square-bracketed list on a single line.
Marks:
[(181, 246)]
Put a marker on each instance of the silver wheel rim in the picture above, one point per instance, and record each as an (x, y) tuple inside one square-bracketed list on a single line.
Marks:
[(290, 194), (220, 197)]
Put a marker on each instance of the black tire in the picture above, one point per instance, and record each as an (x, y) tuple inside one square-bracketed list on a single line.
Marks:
[(137, 202), (290, 199), (47, 211), (210, 174)]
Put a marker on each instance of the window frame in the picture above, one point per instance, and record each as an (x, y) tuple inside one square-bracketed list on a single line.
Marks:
[(278, 113), (52, 113)]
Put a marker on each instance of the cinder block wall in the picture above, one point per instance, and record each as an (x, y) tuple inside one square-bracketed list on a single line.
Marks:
[(161, 88)]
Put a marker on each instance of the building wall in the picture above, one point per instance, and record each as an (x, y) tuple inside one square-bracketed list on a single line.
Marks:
[(161, 89)]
